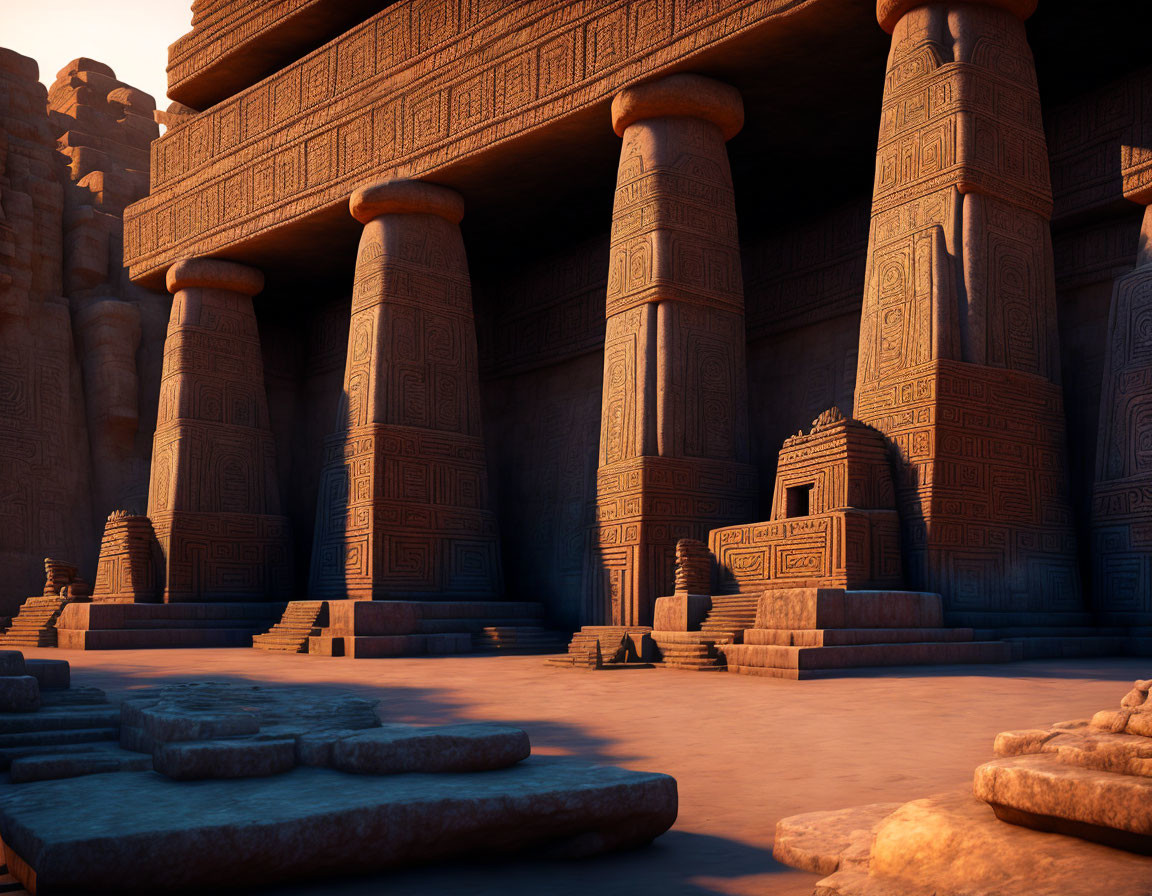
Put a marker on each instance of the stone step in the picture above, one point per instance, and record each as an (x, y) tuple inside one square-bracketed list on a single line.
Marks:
[(8, 755), (60, 719), (841, 637), (812, 662), (151, 638), (63, 736), (52, 766)]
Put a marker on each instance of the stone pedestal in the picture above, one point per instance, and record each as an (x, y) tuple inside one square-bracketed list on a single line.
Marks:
[(674, 432), (959, 356), (1122, 499), (403, 507), (212, 497)]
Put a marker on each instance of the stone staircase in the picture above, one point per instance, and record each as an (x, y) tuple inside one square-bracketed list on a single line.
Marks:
[(35, 623), (698, 651), (730, 615), (582, 647), (301, 620), (517, 639)]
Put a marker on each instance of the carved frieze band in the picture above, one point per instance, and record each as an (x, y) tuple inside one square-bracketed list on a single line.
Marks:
[(405, 93)]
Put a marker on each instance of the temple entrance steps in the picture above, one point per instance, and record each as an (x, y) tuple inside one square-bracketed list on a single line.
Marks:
[(366, 628), (820, 632), (132, 626), (301, 620), (618, 645), (730, 615), (35, 623), (517, 639), (697, 651)]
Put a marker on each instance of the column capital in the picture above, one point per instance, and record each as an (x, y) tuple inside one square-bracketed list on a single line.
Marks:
[(890, 12), (214, 273), (683, 96), (405, 197)]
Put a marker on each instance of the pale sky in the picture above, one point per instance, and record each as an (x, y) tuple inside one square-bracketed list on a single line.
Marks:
[(131, 36)]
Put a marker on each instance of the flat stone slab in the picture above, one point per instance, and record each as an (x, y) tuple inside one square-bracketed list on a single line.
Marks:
[(1043, 792), (953, 845), (151, 834), (53, 675), (392, 749), (72, 765), (238, 758), (212, 710)]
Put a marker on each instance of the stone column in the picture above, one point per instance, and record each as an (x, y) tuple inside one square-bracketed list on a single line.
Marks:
[(212, 497), (959, 355), (1122, 498), (674, 427), (403, 509)]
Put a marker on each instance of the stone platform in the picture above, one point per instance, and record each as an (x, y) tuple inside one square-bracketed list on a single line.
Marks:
[(153, 834), (382, 628), (817, 632), (223, 785), (125, 626)]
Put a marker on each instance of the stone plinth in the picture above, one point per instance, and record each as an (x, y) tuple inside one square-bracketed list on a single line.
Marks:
[(213, 499), (674, 429), (834, 522), (403, 508), (1121, 502), (959, 356), (818, 632), (126, 571)]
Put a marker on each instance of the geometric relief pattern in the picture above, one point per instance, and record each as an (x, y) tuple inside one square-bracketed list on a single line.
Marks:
[(213, 498), (403, 508), (1122, 499), (403, 91), (674, 432), (834, 522), (958, 343)]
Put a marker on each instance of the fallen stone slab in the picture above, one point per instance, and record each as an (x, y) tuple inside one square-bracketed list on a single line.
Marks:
[(954, 845), (1043, 792), (73, 765), (393, 749), (152, 834), (237, 758), (19, 693)]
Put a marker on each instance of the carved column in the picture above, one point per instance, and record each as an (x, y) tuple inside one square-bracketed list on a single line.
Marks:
[(403, 509), (674, 429), (959, 354), (1122, 499), (212, 497)]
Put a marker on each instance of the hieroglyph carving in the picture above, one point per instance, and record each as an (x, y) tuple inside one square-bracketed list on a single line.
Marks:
[(958, 361), (1122, 499), (674, 428), (403, 507), (213, 498)]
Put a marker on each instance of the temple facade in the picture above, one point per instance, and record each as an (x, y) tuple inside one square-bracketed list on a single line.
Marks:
[(482, 316)]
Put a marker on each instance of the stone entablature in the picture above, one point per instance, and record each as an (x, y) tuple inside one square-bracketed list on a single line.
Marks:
[(234, 43), (403, 95)]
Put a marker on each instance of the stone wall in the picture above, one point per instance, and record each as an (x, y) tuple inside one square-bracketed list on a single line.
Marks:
[(75, 436)]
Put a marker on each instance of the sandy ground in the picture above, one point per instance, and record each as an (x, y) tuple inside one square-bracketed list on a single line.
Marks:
[(745, 751)]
